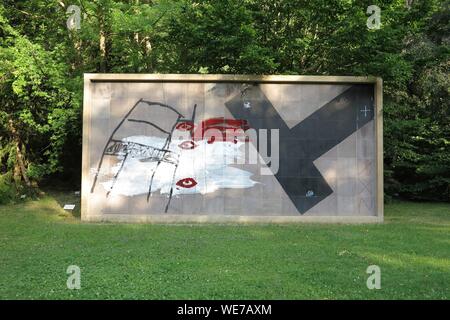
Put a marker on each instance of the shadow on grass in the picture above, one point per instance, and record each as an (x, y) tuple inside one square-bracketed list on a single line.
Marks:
[(65, 197)]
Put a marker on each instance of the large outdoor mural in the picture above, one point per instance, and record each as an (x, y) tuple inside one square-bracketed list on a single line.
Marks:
[(170, 164), (227, 148)]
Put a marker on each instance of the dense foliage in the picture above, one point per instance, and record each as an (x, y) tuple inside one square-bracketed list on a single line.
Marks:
[(42, 64)]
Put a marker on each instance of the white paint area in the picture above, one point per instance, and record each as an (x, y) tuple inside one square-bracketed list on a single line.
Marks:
[(208, 164)]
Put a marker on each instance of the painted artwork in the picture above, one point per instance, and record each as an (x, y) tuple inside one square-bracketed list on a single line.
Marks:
[(227, 148), (182, 159)]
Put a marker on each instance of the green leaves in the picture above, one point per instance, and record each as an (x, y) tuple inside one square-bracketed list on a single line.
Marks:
[(32, 86), (42, 65)]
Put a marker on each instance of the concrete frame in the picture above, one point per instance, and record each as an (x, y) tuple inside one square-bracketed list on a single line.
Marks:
[(89, 78)]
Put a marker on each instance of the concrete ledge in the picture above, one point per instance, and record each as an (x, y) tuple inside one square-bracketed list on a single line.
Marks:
[(186, 219), (140, 77)]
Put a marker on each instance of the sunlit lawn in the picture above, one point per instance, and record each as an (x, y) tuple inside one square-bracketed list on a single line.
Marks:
[(38, 241)]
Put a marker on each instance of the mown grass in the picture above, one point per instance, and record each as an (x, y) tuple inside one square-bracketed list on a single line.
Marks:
[(38, 241)]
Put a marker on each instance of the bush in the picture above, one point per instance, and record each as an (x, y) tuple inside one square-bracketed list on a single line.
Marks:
[(8, 190)]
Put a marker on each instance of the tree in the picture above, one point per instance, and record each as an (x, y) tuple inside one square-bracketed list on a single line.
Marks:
[(42, 65), (36, 108)]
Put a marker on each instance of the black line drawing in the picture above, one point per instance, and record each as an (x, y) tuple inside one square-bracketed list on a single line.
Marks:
[(147, 153), (176, 166), (166, 144), (115, 147), (120, 148), (117, 174)]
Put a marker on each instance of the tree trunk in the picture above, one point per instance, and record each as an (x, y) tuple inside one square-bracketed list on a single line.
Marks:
[(103, 33), (102, 50), (147, 51), (19, 155)]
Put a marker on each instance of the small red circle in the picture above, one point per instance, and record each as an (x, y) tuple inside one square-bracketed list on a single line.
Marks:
[(185, 126), (187, 183)]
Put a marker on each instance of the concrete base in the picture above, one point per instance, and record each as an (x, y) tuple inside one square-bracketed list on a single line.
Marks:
[(231, 219)]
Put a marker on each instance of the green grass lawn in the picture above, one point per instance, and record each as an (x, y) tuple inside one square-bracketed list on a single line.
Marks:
[(38, 241)]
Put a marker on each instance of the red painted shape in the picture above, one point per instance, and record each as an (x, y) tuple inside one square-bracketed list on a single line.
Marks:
[(185, 126), (187, 145), (187, 183), (222, 126)]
